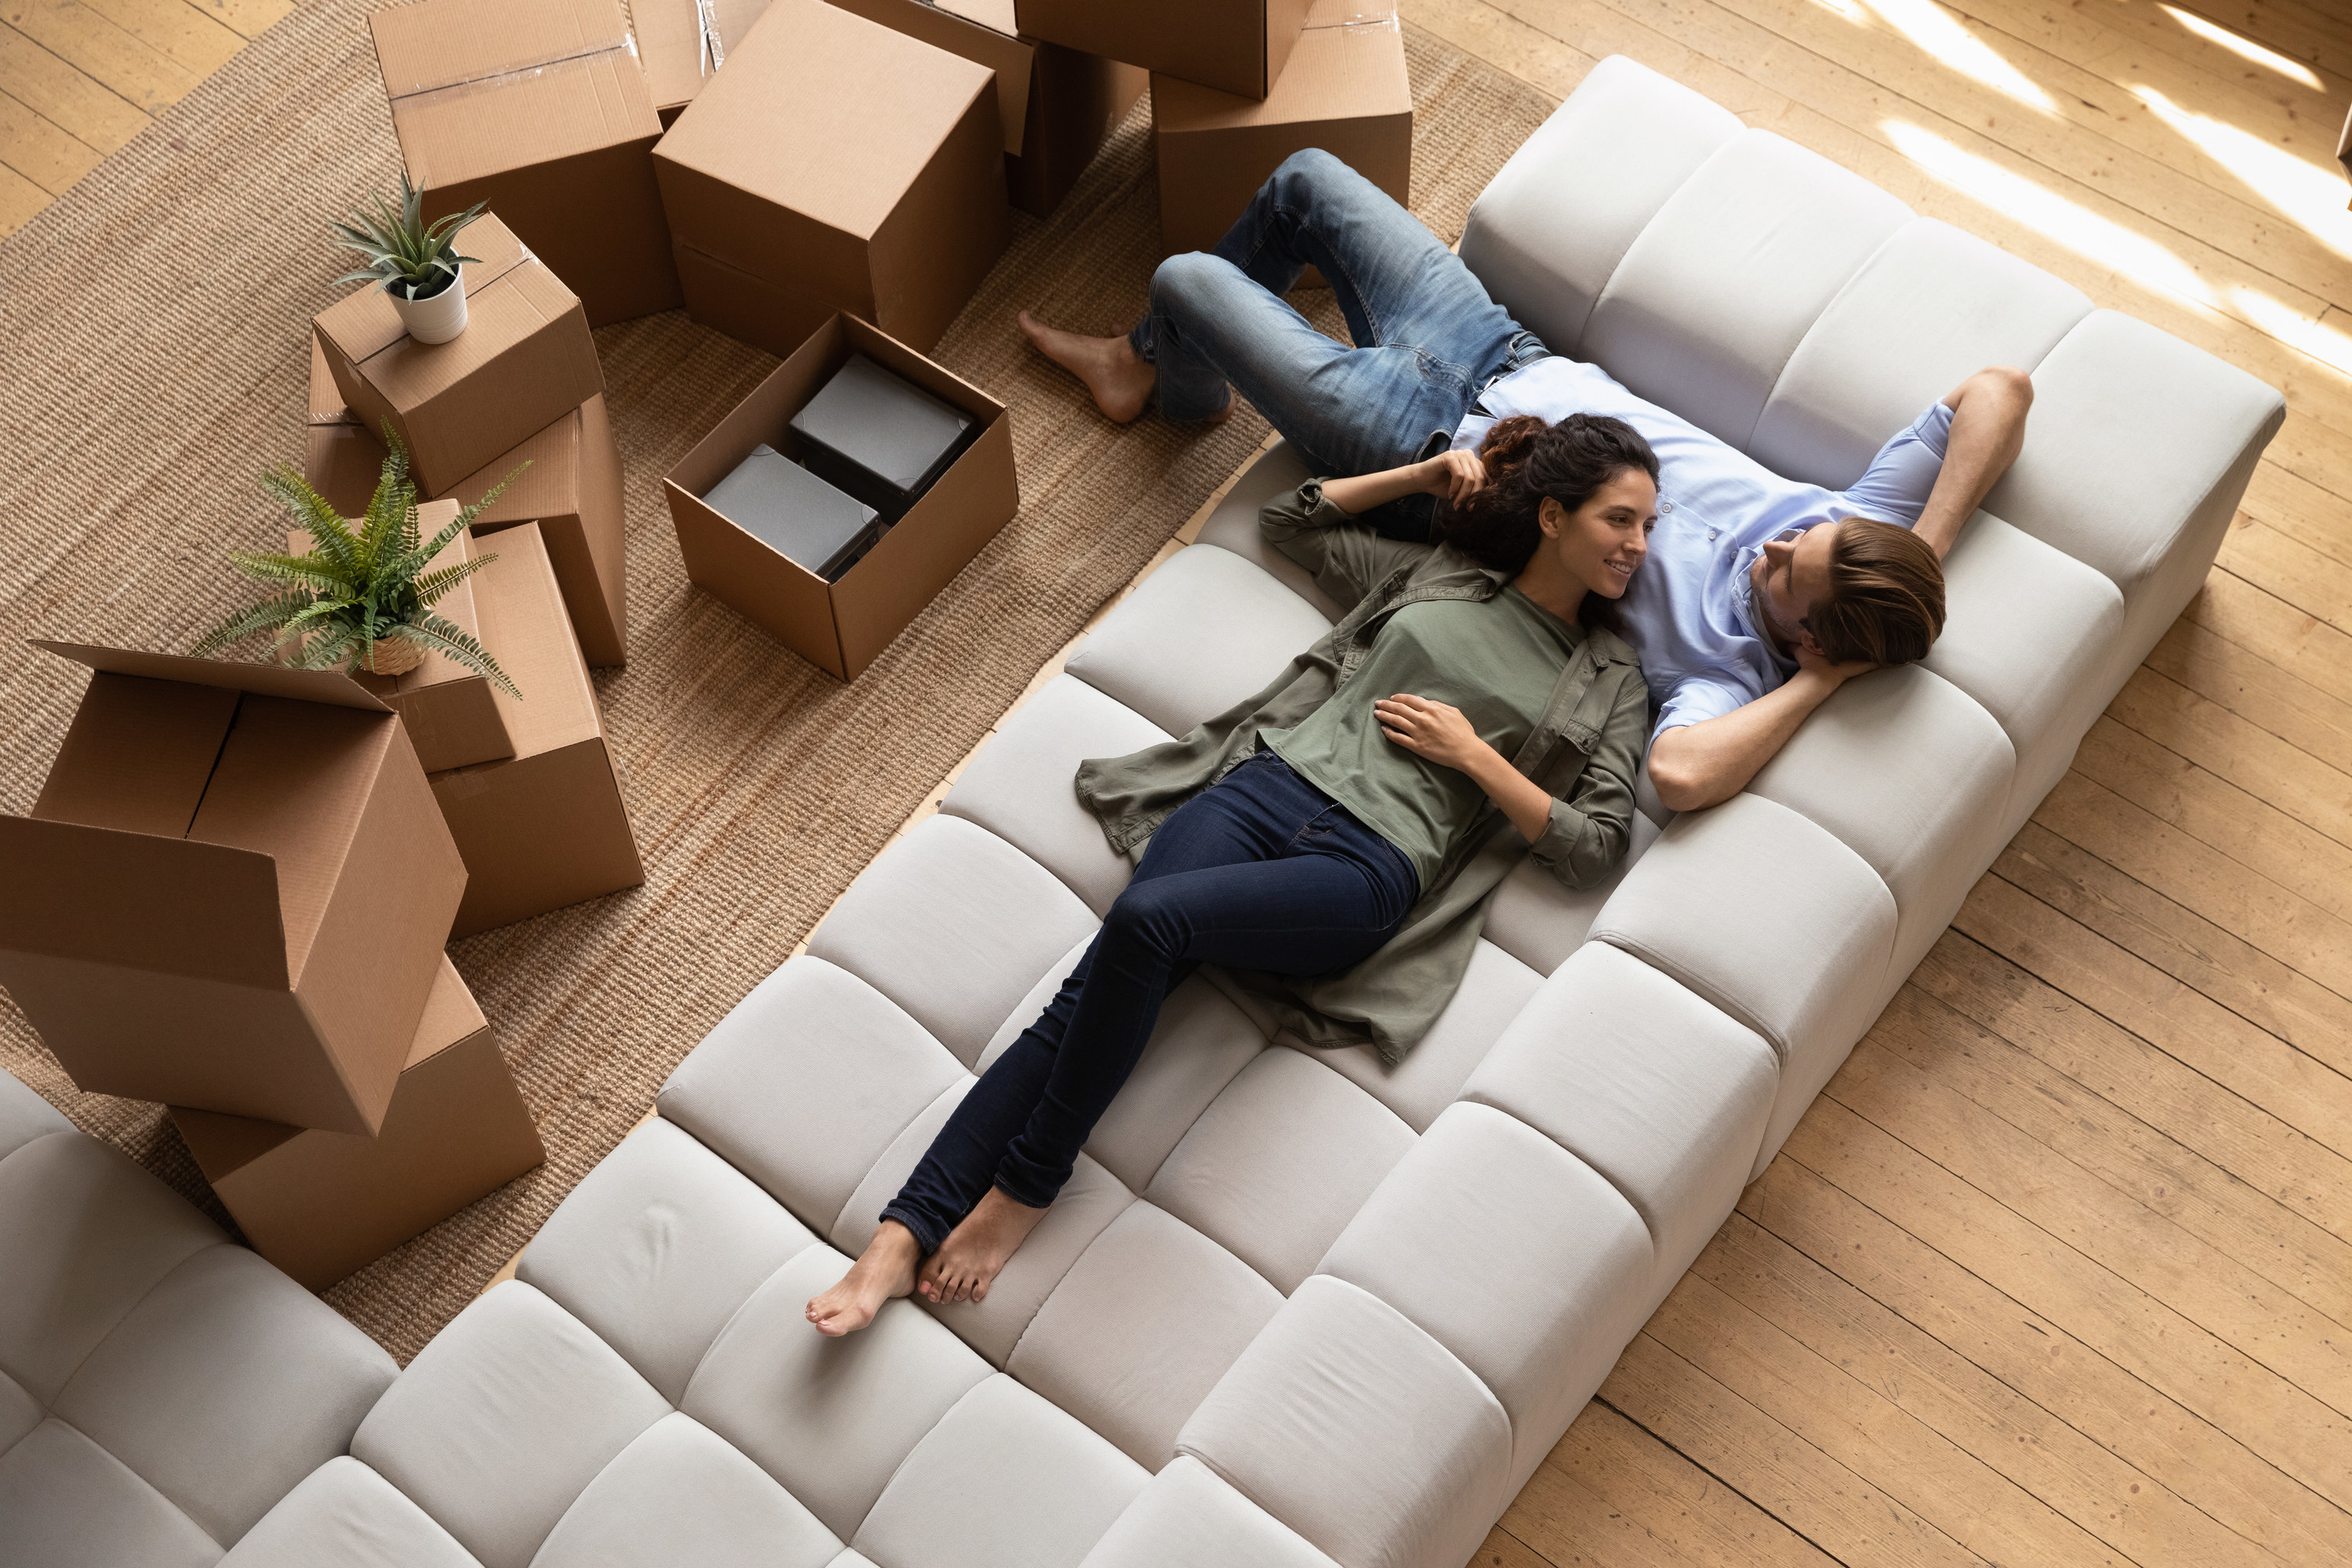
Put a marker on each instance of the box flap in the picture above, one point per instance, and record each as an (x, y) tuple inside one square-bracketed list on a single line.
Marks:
[(328, 686), (1338, 71), (138, 755), (526, 626), (683, 44), (829, 115), (363, 324), (444, 43), (524, 119), (165, 905), (966, 29), (292, 781)]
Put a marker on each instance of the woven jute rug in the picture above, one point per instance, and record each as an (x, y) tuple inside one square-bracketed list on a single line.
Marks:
[(153, 340)]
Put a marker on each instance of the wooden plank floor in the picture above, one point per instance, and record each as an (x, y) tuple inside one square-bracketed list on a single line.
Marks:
[(2059, 1270)]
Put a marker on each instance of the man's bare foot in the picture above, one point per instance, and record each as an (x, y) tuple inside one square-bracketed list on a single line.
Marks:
[(885, 1269), (969, 1260), (1114, 372)]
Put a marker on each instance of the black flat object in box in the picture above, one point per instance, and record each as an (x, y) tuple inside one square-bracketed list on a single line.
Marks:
[(878, 435), (794, 512)]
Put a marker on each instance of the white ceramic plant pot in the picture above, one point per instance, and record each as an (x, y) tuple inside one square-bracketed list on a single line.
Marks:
[(438, 317)]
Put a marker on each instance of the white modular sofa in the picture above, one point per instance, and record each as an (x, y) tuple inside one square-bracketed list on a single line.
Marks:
[(1296, 1310)]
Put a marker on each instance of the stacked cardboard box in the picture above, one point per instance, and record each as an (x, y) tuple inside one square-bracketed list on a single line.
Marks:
[(1344, 89), (834, 164), (842, 626), (524, 361), (540, 109), (1240, 46), (569, 485), (231, 897)]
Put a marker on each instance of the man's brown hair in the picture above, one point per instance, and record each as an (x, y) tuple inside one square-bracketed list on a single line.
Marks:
[(1886, 595)]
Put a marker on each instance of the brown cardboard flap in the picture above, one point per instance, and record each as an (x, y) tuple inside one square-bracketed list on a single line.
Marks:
[(328, 686), (292, 783), (138, 755), (824, 113), (670, 43), (525, 624), (446, 42), (524, 119), (141, 902), (974, 39)]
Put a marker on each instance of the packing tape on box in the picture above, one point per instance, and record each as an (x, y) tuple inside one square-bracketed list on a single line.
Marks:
[(561, 65), (712, 52), (1379, 16)]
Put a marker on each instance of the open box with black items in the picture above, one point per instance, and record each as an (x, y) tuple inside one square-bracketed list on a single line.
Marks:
[(842, 626)]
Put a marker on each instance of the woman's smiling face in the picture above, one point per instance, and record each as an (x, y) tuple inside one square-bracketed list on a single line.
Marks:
[(1603, 542)]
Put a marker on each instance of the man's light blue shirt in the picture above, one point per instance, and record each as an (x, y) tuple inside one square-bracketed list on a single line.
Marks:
[(1690, 613)]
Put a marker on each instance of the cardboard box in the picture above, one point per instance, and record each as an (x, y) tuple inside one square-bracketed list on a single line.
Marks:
[(446, 707), (571, 489), (233, 891), (321, 1204), (843, 627), (1240, 46), (1056, 103), (540, 109), (837, 165), (683, 42), (547, 827), (524, 361), (1345, 92)]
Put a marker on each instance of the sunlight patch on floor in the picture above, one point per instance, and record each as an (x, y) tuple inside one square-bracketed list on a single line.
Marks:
[(2079, 230), (1939, 33), (2245, 49), (2290, 326), (2310, 194)]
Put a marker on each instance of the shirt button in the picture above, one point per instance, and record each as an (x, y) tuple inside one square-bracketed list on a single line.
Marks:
[(1665, 506), (1714, 532)]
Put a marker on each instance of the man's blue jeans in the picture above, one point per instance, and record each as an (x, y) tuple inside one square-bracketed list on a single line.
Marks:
[(1427, 337), (1262, 871)]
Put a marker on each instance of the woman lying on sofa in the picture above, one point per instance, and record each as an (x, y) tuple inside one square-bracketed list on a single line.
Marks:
[(1333, 841)]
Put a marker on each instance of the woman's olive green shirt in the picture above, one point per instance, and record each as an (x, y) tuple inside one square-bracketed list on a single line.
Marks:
[(1583, 751)]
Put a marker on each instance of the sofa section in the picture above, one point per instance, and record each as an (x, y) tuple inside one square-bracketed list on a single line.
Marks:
[(161, 1389)]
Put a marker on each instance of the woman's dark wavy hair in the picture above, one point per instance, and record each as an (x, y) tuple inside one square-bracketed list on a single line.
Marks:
[(1527, 461)]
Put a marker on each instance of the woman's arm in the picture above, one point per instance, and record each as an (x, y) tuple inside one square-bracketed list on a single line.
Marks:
[(1451, 475)]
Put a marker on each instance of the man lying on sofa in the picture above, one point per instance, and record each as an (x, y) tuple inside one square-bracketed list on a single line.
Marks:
[(1760, 597)]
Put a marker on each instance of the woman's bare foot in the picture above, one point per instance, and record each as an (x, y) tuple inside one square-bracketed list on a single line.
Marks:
[(884, 1270), (1114, 372), (969, 1260)]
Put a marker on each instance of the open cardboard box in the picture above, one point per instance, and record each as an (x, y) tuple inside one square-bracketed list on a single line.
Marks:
[(682, 43), (834, 164), (1345, 90), (540, 109), (569, 485), (841, 627), (524, 361), (321, 1204), (547, 827), (446, 707), (1239, 47), (1056, 104), (233, 891)]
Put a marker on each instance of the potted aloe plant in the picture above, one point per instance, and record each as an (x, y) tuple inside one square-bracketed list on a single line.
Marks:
[(415, 262), (361, 596)]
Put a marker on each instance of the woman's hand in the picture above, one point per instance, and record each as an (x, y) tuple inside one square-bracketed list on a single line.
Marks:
[(1452, 477), (1436, 730), (1440, 733)]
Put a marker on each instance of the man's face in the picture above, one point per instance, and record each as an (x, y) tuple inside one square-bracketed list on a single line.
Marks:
[(1793, 575)]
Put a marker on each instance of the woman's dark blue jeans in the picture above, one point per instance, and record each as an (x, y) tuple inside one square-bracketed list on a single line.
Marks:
[(1262, 871)]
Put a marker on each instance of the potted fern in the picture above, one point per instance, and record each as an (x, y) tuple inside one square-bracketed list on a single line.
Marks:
[(415, 262), (361, 596)]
